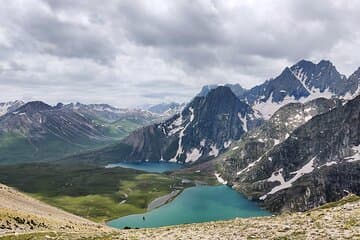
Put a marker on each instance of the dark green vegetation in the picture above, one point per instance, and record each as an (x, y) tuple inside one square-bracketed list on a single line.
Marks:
[(95, 193), (15, 148)]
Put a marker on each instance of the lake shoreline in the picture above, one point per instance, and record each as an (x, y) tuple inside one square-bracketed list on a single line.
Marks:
[(194, 204), (160, 201)]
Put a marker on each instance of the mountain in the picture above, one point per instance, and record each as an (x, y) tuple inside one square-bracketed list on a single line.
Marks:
[(205, 127), (6, 107), (38, 131), (318, 162), (168, 109), (108, 113), (119, 121), (301, 82), (235, 88)]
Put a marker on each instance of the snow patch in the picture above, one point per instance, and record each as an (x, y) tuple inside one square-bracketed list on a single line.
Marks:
[(244, 122), (181, 135), (227, 144), (277, 177), (220, 179), (193, 156), (356, 156), (307, 168), (276, 142), (214, 151), (268, 108), (328, 164)]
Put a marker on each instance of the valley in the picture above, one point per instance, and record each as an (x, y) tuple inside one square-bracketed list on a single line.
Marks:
[(179, 120), (287, 145), (99, 194)]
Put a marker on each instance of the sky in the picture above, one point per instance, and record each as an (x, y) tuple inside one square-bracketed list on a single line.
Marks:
[(129, 53)]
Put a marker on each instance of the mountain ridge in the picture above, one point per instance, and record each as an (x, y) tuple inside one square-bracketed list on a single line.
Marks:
[(302, 82), (318, 162)]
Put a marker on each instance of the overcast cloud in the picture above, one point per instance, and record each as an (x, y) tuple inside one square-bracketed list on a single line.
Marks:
[(129, 53)]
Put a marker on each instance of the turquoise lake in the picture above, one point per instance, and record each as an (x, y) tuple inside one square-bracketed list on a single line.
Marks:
[(148, 166), (194, 205)]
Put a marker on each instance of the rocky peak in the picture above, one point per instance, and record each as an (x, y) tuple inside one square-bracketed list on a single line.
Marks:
[(237, 89), (205, 127), (320, 77), (6, 107), (33, 107), (354, 80)]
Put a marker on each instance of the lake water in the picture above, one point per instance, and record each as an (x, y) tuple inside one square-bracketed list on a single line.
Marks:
[(155, 167), (193, 205)]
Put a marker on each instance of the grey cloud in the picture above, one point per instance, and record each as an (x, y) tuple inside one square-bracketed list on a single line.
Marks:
[(186, 23), (128, 51)]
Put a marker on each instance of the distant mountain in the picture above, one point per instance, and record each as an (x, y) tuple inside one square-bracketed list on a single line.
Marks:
[(166, 109), (317, 162), (37, 131), (6, 107), (108, 113), (119, 121), (205, 127), (301, 82)]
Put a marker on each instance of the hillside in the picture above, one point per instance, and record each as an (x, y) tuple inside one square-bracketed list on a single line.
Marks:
[(20, 213)]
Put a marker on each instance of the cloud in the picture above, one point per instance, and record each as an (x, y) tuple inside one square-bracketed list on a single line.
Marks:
[(130, 52)]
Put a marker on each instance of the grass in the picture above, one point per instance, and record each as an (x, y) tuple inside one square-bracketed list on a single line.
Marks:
[(92, 192), (16, 148), (348, 199)]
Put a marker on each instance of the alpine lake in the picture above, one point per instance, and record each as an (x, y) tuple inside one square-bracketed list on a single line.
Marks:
[(196, 204)]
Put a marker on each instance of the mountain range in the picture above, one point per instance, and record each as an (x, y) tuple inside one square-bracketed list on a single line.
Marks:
[(291, 142), (220, 115), (301, 82), (203, 129), (36, 131), (317, 162)]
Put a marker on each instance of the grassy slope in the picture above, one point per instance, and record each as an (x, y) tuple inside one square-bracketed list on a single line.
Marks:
[(94, 193), (16, 148)]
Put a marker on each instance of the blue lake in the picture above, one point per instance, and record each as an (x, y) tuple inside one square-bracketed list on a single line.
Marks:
[(154, 167), (193, 205)]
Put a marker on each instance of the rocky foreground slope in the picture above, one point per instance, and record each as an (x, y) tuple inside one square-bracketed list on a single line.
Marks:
[(20, 213)]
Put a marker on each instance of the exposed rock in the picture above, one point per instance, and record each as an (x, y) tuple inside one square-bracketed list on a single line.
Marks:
[(319, 162)]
